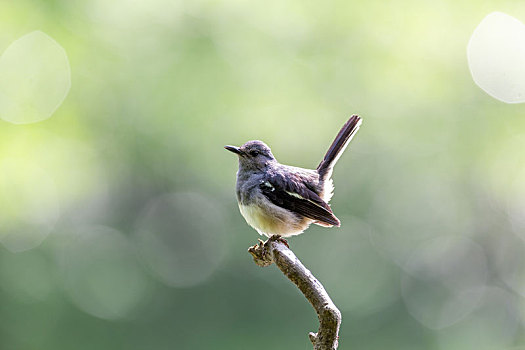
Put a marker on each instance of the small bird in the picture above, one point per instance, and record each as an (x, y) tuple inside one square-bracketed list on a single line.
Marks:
[(278, 199)]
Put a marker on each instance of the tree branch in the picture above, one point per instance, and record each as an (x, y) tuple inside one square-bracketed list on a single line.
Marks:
[(275, 250)]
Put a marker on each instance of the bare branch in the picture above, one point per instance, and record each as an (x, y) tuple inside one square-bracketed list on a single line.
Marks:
[(275, 250)]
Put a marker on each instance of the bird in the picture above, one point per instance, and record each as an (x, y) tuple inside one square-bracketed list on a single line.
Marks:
[(282, 200)]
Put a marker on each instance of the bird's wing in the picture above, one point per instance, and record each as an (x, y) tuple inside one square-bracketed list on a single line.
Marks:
[(292, 193)]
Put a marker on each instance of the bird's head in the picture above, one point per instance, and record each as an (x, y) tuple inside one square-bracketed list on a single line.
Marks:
[(253, 155)]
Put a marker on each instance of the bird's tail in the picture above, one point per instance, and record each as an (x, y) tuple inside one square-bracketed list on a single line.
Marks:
[(338, 146)]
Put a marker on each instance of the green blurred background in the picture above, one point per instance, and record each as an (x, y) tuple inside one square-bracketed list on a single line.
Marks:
[(118, 219)]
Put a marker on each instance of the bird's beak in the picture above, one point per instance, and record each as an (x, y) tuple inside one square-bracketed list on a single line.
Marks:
[(233, 149)]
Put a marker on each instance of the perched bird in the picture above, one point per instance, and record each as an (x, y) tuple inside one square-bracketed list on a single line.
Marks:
[(277, 199)]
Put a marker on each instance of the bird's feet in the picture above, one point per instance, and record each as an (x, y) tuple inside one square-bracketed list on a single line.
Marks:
[(260, 254), (278, 238)]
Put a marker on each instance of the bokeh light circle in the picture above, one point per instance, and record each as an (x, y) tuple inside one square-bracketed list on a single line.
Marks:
[(181, 238), (493, 325), (496, 52), (444, 280), (35, 79), (29, 202), (102, 275)]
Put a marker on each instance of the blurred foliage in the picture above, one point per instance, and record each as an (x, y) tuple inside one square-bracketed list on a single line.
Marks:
[(118, 220)]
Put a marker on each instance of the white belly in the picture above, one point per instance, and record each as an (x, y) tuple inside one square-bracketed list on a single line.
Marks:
[(273, 220)]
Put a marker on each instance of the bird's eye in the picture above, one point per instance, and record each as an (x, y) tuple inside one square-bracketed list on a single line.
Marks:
[(254, 153)]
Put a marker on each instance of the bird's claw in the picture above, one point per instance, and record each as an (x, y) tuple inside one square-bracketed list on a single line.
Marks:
[(278, 238)]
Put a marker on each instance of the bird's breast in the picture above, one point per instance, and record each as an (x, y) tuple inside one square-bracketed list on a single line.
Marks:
[(248, 188)]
